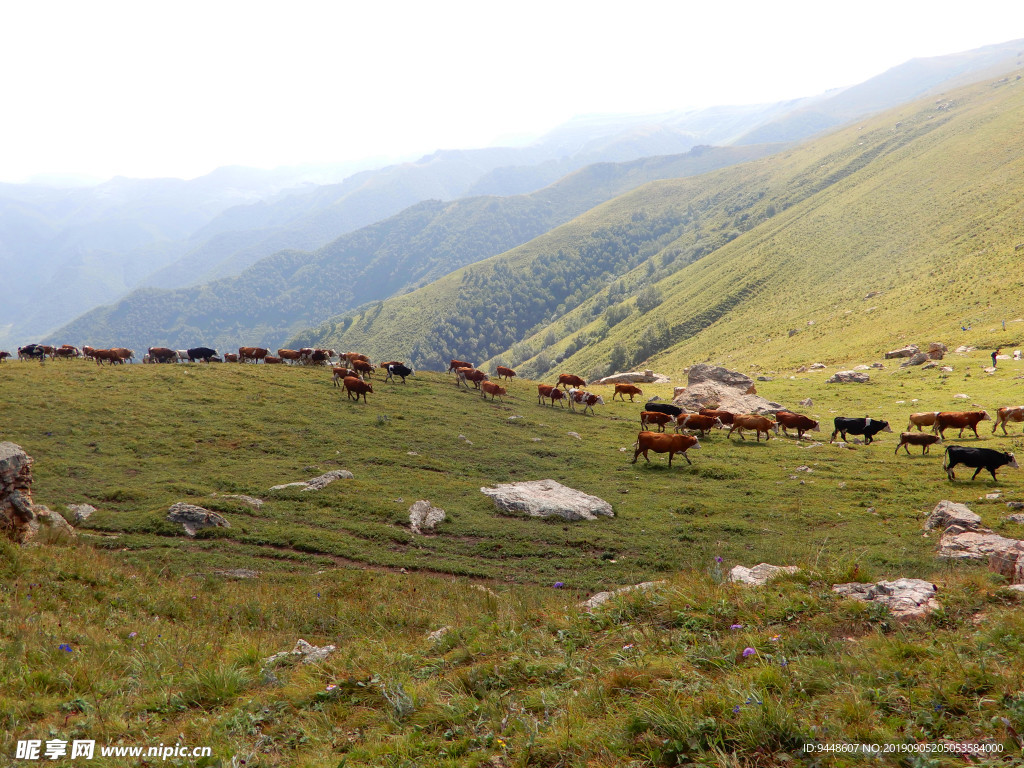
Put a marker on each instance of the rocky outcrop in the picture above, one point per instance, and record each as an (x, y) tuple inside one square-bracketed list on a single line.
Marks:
[(547, 498), (905, 598), (848, 377), (964, 538), (633, 377), (711, 386), (949, 515), (760, 574), (937, 350), (21, 520), (81, 512), (601, 598), (908, 351), (317, 483), (917, 359), (303, 652), (194, 518), (424, 517)]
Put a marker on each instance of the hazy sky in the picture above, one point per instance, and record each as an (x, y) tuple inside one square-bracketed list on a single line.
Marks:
[(156, 88)]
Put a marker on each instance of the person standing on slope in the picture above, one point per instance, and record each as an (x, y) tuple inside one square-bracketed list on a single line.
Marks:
[(994, 354)]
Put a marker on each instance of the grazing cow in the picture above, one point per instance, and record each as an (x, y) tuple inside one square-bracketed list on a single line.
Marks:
[(1007, 414), (627, 389), (750, 421), (4, 355), (697, 422), (725, 417), (922, 420), (125, 353), (670, 444), (291, 355), (566, 380), (320, 357), (654, 417), (384, 366), (162, 355), (205, 354), (979, 458), (796, 421), (671, 410), (112, 356), (926, 441), (67, 351), (87, 351), (466, 375), (341, 373), (584, 398), (492, 389), (545, 391), (273, 360), (397, 369), (867, 426), (182, 355), (456, 364), (354, 386), (959, 419), (504, 373), (230, 357), (31, 352), (248, 353)]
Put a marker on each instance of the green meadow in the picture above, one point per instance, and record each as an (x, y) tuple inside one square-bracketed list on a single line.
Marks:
[(164, 648)]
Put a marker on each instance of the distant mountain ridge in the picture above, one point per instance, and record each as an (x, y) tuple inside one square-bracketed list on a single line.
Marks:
[(308, 220)]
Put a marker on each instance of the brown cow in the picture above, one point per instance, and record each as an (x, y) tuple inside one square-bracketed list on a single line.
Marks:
[(504, 373), (320, 357), (670, 444), (363, 368), (125, 353), (465, 375), (796, 421), (587, 399), (916, 438), (4, 355), (627, 389), (110, 355), (456, 364), (654, 417), (355, 385), (696, 421), (230, 357), (492, 389), (544, 391), (65, 351), (751, 421), (161, 354), (1006, 414), (273, 360), (725, 417), (291, 355), (341, 373), (252, 353), (922, 420), (87, 351), (566, 380), (959, 420)]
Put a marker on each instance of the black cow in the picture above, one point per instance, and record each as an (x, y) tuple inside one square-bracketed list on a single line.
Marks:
[(202, 353), (671, 410), (979, 458), (32, 351), (867, 427), (398, 370)]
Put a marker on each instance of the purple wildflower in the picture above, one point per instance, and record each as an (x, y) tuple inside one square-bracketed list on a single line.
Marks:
[(736, 709), (132, 634), (718, 559), (748, 651), (65, 647), (559, 584), (736, 626)]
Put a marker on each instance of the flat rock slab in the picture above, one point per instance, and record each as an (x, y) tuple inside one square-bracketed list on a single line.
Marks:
[(194, 518), (848, 377), (905, 598), (949, 514), (603, 597), (973, 545), (317, 482), (760, 574), (546, 498)]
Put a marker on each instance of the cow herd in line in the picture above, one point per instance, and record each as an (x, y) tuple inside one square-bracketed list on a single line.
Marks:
[(355, 371)]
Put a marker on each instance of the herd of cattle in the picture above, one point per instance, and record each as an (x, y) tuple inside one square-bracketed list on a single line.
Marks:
[(355, 371)]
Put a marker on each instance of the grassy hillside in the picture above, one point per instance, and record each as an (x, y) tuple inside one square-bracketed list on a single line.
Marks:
[(131, 637), (918, 206), (291, 290)]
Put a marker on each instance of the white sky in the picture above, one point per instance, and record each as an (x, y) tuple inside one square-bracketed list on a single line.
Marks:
[(155, 88)]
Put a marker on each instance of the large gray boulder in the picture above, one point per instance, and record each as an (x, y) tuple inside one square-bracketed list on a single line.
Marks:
[(949, 514), (703, 372), (21, 519), (194, 518), (908, 351), (711, 386), (905, 598), (848, 377), (547, 498), (917, 359)]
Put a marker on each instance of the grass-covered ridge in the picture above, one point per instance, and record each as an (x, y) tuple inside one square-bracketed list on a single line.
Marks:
[(918, 206)]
